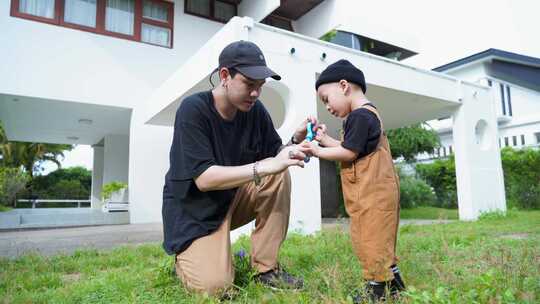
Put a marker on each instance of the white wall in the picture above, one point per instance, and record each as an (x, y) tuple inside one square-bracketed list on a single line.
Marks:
[(472, 73), (115, 158), (352, 16), (525, 102), (48, 61), (148, 164), (525, 118), (257, 9)]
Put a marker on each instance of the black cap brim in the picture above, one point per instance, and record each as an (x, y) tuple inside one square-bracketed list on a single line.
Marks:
[(258, 72)]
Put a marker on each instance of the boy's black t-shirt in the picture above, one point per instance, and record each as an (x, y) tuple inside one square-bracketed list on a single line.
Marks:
[(202, 138), (362, 130)]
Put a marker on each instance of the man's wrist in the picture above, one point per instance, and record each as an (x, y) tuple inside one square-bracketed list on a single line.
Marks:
[(256, 176)]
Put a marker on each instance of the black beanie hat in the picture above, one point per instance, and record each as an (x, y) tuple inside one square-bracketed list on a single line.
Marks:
[(342, 69)]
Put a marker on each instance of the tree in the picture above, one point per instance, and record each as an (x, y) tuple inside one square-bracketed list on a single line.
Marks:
[(3, 137), (53, 185), (12, 182), (29, 156), (407, 142)]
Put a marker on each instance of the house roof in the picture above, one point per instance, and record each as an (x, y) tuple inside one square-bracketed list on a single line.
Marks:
[(511, 67), (488, 55)]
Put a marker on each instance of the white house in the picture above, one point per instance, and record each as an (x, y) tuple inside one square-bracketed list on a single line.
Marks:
[(515, 83), (111, 74)]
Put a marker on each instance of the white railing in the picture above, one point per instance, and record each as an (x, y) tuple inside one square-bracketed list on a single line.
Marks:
[(42, 201)]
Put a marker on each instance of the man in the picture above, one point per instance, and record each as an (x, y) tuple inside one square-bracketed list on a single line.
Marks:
[(227, 168)]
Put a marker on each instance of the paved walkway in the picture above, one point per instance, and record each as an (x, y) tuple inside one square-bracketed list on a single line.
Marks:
[(343, 223), (67, 240)]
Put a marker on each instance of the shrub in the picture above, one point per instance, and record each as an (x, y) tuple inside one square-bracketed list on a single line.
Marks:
[(522, 177), (415, 192), (12, 182), (68, 189), (110, 188), (441, 175)]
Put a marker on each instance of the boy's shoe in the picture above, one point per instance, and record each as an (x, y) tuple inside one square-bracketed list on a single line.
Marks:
[(378, 293), (279, 279)]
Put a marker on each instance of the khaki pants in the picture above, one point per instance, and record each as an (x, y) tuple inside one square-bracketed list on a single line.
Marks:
[(206, 265)]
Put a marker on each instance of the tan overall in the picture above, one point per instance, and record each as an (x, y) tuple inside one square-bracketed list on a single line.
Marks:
[(371, 193)]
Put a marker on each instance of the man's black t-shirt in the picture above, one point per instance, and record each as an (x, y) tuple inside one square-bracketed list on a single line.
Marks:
[(202, 138), (362, 130)]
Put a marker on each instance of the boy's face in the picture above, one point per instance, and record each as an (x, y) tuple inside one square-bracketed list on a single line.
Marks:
[(242, 92), (334, 98)]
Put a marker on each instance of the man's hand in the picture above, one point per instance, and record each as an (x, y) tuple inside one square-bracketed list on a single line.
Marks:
[(289, 156)]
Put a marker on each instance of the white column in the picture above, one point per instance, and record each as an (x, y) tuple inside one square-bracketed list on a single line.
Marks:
[(479, 175), (116, 158), (97, 176), (148, 164)]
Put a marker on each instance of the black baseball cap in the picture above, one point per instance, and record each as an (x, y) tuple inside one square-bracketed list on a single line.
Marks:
[(247, 58)]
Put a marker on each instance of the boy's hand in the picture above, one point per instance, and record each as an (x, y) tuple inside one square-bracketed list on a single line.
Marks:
[(321, 132), (310, 148), (301, 131)]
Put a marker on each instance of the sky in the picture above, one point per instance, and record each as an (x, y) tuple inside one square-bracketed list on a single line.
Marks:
[(446, 31), (443, 31), (82, 155)]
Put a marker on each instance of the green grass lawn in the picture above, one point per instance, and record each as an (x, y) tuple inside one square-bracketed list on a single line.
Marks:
[(425, 212), (493, 260), (4, 208)]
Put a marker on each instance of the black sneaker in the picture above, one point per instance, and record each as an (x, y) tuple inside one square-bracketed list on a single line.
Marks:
[(375, 293), (279, 279)]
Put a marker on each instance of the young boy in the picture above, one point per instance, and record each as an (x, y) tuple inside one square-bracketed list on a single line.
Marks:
[(370, 184)]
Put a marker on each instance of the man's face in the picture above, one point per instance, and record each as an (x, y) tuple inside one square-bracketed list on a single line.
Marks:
[(242, 92), (333, 97)]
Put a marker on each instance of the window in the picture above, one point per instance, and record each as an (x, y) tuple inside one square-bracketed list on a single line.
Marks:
[(509, 100), (506, 100), (81, 12), (506, 141), (450, 150), (503, 103), (149, 21), (156, 28), (444, 151), (38, 8), (522, 140), (514, 140), (120, 16), (537, 135), (221, 11)]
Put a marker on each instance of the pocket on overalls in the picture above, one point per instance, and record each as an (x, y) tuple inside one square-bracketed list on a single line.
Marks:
[(348, 171), (386, 195)]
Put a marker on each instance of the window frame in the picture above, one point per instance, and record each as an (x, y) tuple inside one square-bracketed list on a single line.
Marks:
[(212, 10), (59, 9)]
